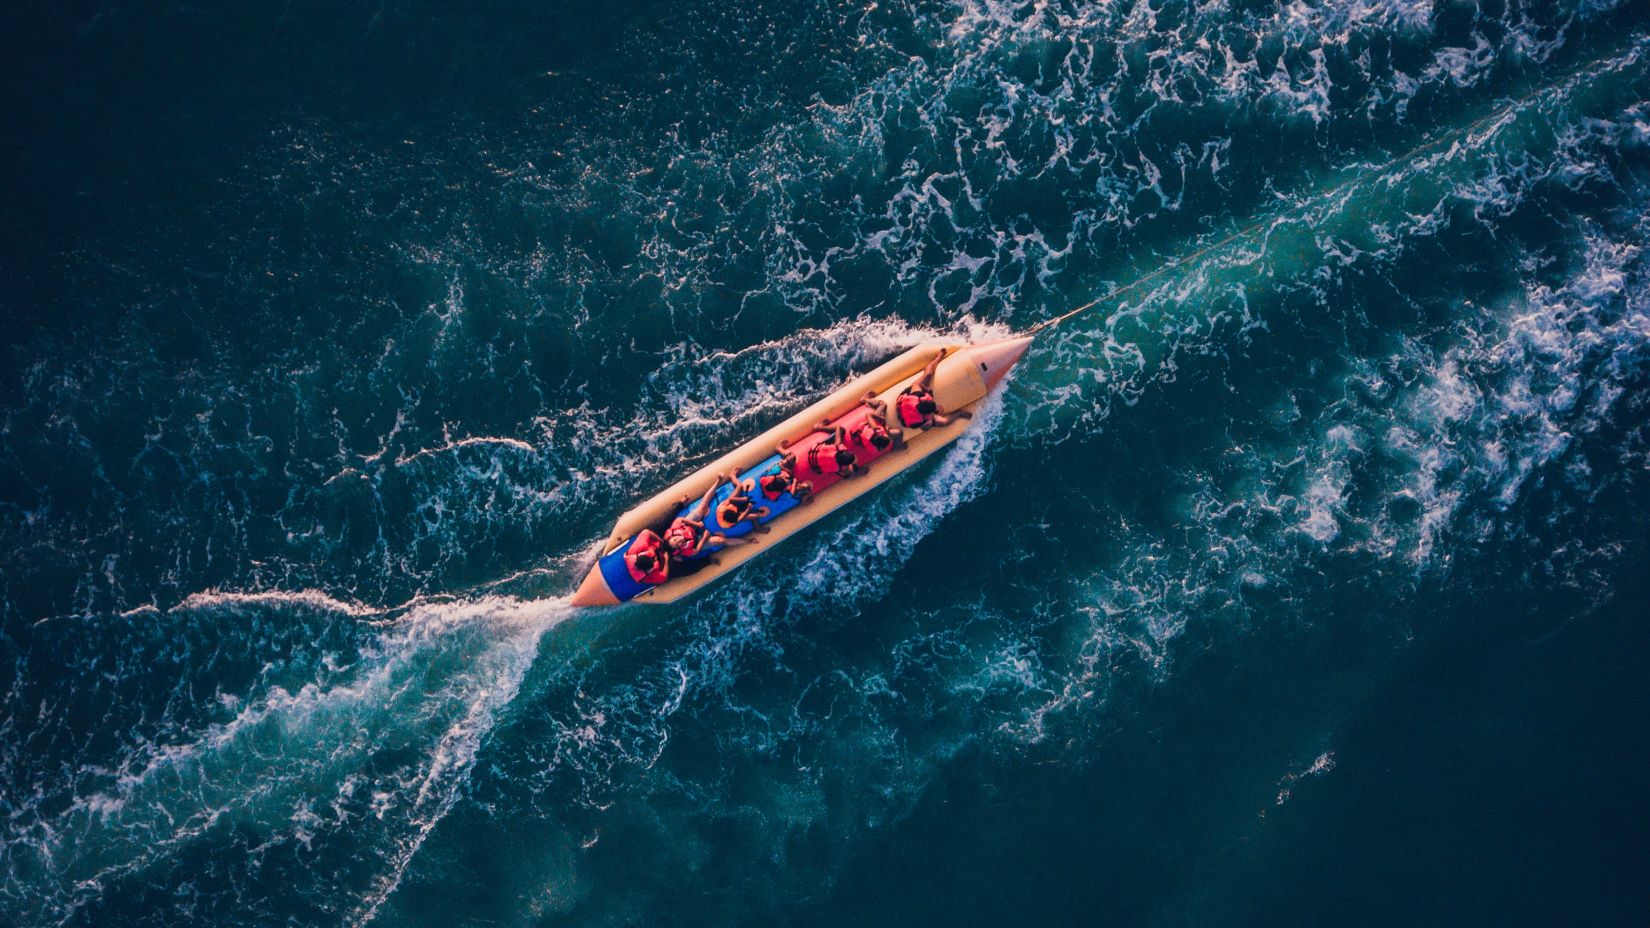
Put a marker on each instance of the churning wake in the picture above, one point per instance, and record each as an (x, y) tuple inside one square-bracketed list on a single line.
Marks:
[(283, 635)]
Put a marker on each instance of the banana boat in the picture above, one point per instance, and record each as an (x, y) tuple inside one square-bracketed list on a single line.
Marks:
[(791, 489)]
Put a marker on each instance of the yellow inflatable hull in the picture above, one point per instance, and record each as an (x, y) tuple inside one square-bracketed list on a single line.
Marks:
[(961, 382)]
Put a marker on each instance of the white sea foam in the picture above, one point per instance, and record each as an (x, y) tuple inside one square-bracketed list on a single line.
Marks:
[(1436, 460), (312, 599), (1322, 764), (430, 686)]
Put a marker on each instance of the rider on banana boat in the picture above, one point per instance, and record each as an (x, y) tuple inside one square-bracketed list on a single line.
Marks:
[(648, 559), (739, 507), (915, 405), (868, 431), (775, 485), (687, 536), (831, 456)]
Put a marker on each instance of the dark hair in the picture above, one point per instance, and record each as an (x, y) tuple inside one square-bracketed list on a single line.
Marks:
[(844, 457), (880, 440), (644, 560), (927, 407)]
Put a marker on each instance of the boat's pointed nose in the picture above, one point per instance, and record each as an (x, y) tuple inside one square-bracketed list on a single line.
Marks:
[(995, 358), (594, 591)]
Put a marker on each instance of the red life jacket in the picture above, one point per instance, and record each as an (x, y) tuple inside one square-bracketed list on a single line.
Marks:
[(906, 405), (775, 485), (862, 436), (681, 536), (647, 543), (822, 458)]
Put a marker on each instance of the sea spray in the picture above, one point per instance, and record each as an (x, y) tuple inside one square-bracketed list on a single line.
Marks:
[(386, 744)]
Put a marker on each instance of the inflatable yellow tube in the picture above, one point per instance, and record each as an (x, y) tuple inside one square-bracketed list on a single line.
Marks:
[(965, 377)]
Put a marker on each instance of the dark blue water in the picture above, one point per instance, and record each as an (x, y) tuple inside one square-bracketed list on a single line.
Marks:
[(1303, 581)]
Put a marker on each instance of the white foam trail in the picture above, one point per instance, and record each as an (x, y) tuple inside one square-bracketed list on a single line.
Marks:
[(449, 767), (431, 686), (1203, 305), (473, 442), (1433, 450), (1507, 404), (1322, 764), (310, 599)]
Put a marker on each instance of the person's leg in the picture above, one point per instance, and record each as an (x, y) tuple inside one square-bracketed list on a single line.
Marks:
[(926, 378), (702, 508)]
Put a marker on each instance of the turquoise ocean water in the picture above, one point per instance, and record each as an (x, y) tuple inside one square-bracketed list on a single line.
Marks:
[(1305, 582)]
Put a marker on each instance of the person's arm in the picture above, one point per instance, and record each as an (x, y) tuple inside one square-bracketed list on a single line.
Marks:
[(701, 537)]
